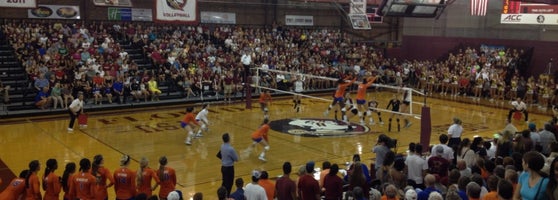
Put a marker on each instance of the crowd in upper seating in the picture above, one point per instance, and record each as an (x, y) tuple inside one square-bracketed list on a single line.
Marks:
[(193, 59)]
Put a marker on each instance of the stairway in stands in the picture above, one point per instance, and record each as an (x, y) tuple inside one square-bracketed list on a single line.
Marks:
[(13, 74)]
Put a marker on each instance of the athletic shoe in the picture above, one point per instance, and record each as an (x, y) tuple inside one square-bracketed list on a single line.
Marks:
[(188, 142), (408, 125), (199, 135), (372, 123), (70, 129), (381, 123), (262, 159), (326, 113)]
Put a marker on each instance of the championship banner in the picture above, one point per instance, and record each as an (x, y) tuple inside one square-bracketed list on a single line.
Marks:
[(112, 3), (299, 20), (517, 12), (217, 17), (357, 7), (54, 12), (176, 11), (359, 21), (18, 3)]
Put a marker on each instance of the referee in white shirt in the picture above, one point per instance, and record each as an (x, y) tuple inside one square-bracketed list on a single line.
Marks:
[(518, 106)]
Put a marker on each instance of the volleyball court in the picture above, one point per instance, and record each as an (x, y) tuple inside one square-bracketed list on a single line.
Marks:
[(367, 108)]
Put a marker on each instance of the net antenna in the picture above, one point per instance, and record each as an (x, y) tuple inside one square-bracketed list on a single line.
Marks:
[(396, 88)]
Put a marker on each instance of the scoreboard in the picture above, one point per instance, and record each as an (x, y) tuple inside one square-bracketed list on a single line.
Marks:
[(518, 12)]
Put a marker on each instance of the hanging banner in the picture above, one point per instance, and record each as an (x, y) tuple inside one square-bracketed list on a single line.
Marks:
[(180, 11), (120, 14), (54, 12), (359, 21), (357, 7), (18, 3), (112, 3), (217, 17), (299, 20)]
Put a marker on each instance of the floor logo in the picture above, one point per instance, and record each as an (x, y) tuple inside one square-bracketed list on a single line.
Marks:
[(309, 127)]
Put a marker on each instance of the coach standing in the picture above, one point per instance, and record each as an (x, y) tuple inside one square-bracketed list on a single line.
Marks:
[(228, 157)]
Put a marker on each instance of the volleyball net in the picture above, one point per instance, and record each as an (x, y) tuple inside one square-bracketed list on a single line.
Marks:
[(399, 92)]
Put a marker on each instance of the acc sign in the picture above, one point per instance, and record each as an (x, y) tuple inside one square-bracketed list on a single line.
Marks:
[(18, 3), (511, 18)]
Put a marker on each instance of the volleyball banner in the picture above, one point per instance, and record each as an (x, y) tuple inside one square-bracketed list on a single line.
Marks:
[(357, 7), (179, 11), (18, 3)]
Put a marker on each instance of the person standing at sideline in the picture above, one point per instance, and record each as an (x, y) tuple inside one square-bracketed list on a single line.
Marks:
[(75, 109), (285, 187), (228, 157), (454, 132), (518, 106), (260, 136)]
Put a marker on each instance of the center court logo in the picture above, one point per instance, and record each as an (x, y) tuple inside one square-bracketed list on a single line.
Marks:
[(310, 127)]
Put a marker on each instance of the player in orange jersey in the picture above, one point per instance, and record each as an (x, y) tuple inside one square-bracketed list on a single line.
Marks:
[(82, 185), (125, 180), (361, 97), (69, 172), (16, 188), (101, 174), (260, 136), (51, 181), (189, 123), (32, 185), (167, 178), (265, 101), (144, 176), (338, 101)]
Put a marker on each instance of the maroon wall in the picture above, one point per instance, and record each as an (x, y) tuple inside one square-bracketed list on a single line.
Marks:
[(430, 47)]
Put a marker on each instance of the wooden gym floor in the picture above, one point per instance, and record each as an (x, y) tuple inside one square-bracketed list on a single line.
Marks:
[(154, 132)]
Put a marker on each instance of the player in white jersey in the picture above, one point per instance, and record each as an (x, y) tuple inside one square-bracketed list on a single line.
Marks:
[(298, 88), (407, 92), (350, 110), (201, 118)]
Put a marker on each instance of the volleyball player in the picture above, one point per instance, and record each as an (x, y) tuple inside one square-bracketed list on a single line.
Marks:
[(407, 93), (298, 88), (352, 110), (201, 118), (372, 108), (394, 104), (260, 136), (188, 123), (361, 99), (265, 100), (338, 97)]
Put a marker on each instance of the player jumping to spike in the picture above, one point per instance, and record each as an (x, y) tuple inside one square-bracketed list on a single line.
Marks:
[(338, 97)]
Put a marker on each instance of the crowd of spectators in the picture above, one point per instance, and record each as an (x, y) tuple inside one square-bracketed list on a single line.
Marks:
[(191, 60)]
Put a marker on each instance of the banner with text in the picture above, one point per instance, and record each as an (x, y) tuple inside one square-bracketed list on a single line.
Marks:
[(130, 14), (18, 3), (54, 12), (357, 7), (360, 21), (517, 12), (217, 17), (112, 3), (181, 11), (299, 20)]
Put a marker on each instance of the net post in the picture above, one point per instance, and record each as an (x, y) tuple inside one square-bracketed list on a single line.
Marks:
[(248, 90), (425, 126)]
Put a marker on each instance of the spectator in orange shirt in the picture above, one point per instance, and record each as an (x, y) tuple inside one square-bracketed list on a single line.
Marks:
[(32, 185), (167, 178), (144, 176), (51, 181), (101, 174), (260, 136), (16, 188), (69, 171), (82, 185), (267, 184), (492, 183), (124, 180)]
